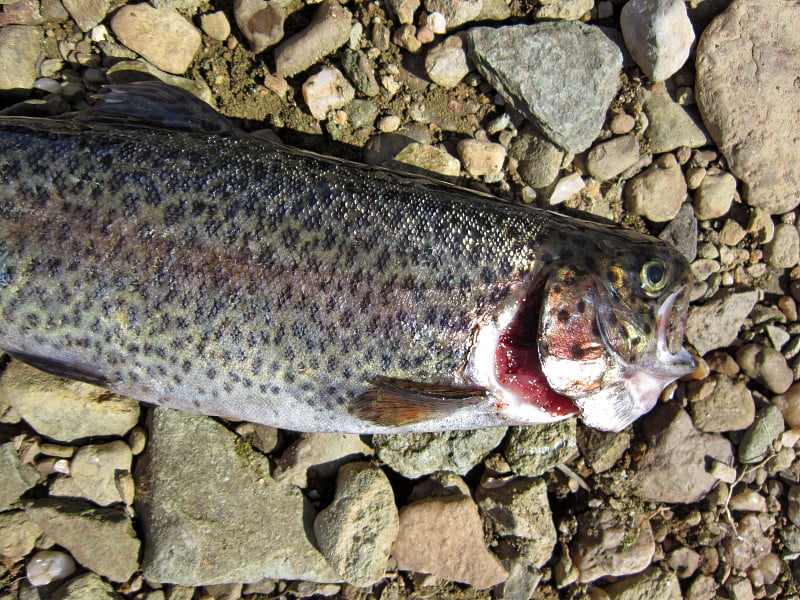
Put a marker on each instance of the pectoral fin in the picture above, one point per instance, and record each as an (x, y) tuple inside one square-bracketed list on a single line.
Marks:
[(398, 402), (61, 369)]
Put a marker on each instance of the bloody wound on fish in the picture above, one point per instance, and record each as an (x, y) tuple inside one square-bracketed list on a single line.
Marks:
[(153, 249)]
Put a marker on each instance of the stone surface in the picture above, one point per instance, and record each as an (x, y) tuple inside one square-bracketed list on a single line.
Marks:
[(86, 586), (757, 441), (455, 12), (727, 311), (611, 543), (100, 539), (783, 252), (87, 13), (18, 535), (714, 195), (718, 404), (538, 159), (608, 159), (356, 532), (602, 449), (17, 477), (652, 583), (62, 409), (95, 471), (327, 90), (658, 192), (562, 75), (766, 365), (670, 125), (444, 536), (20, 47), (426, 160), (681, 232), (260, 21), (216, 25), (534, 450), (747, 93), (519, 508), (162, 36), (481, 159), (318, 456), (418, 454), (673, 468), (328, 31), (658, 35), (211, 513), (563, 9), (446, 63)]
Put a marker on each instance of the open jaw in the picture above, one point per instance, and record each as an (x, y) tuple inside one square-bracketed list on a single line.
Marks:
[(512, 347)]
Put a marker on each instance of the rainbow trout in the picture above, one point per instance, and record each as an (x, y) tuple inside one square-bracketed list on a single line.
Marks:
[(221, 274)]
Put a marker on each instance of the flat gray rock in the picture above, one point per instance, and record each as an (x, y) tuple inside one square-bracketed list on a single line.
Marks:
[(20, 47), (212, 514), (561, 75), (17, 477), (536, 449), (748, 96), (417, 454), (727, 312)]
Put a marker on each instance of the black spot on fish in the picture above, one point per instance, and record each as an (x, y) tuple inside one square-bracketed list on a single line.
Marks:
[(577, 352), (647, 329), (211, 373), (563, 315), (186, 366), (581, 306), (228, 388), (386, 362), (557, 289), (306, 386), (288, 377)]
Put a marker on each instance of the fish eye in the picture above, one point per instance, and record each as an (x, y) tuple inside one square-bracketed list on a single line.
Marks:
[(653, 276)]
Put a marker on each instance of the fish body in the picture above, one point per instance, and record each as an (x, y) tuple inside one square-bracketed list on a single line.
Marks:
[(232, 277)]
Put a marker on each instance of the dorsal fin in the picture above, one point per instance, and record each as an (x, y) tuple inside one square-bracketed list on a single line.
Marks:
[(398, 402), (158, 104)]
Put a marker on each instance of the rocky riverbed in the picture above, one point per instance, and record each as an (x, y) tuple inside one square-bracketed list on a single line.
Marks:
[(677, 118)]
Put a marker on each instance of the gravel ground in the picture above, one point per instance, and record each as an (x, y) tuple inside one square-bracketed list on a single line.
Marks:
[(681, 119)]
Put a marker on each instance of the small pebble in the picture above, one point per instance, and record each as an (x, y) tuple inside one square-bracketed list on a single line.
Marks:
[(48, 566), (621, 123), (765, 365), (215, 25), (481, 159), (757, 440), (137, 439), (436, 22), (446, 63), (566, 188), (714, 195), (749, 501), (405, 36), (389, 123), (327, 90), (783, 252)]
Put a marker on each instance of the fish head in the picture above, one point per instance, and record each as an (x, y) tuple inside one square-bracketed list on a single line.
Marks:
[(611, 330)]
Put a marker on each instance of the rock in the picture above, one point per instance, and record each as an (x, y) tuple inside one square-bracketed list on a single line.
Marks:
[(562, 75), (100, 539), (18, 535), (611, 543), (673, 468), (426, 159), (47, 566), (523, 578), (658, 35), (670, 125), (211, 513), (481, 159), (766, 365), (404, 9), (87, 586), (441, 483), (538, 159), (359, 70), (94, 473), (717, 404), (567, 187), (355, 533), (749, 546), (757, 440), (20, 47), (260, 21), (86, 13), (658, 192), (570, 10), (328, 31), (418, 454), (455, 12), (215, 25), (17, 477), (65, 410), (446, 63), (519, 508), (602, 449), (444, 536), (681, 232), (789, 403), (783, 252), (262, 437), (652, 583), (318, 456), (727, 311), (327, 90), (714, 195), (608, 159), (536, 449), (405, 36), (162, 36), (747, 94)]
